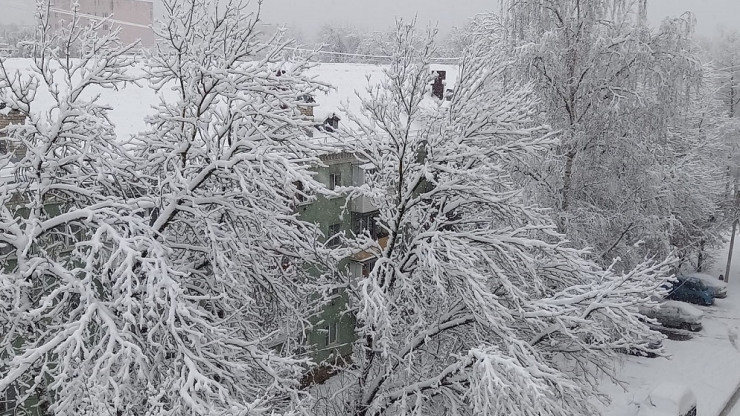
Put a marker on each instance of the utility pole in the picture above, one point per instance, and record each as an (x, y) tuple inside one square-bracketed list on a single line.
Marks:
[(729, 255), (736, 201), (735, 205)]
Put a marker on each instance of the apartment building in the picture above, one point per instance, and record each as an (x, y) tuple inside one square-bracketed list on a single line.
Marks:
[(133, 17), (330, 341)]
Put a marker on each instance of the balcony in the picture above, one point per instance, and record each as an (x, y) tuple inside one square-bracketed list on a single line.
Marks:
[(364, 256), (362, 205)]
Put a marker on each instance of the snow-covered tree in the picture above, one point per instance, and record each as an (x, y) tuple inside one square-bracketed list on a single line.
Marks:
[(723, 76), (158, 274), (475, 304), (60, 184), (16, 39), (724, 52), (340, 41), (617, 91)]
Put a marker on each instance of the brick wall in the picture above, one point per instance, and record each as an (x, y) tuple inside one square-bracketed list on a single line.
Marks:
[(7, 118), (306, 111)]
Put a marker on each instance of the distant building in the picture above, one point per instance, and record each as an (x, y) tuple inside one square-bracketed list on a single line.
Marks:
[(134, 17)]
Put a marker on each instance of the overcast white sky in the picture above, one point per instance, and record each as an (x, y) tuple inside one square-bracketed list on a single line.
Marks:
[(380, 14), (308, 16)]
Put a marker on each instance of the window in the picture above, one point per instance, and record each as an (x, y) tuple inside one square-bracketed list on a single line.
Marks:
[(7, 401), (331, 333), (335, 180), (334, 237), (367, 267), (367, 222), (300, 195)]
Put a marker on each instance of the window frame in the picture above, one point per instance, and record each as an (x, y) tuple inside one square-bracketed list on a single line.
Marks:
[(331, 336), (335, 180)]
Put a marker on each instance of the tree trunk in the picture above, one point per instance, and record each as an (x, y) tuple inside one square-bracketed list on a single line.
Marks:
[(567, 182), (700, 257)]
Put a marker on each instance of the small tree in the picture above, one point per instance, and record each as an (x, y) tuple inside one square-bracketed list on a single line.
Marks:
[(340, 42), (475, 305), (164, 273)]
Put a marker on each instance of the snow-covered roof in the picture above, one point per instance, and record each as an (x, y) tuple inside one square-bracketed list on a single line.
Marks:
[(349, 80), (131, 104)]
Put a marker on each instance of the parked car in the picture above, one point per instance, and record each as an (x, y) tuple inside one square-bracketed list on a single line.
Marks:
[(669, 399), (691, 290), (718, 287), (674, 314)]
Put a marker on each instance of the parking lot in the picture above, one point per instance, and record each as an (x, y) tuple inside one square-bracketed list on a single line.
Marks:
[(707, 361)]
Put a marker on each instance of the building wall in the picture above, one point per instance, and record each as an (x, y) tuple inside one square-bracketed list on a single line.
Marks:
[(134, 17), (326, 212), (11, 117)]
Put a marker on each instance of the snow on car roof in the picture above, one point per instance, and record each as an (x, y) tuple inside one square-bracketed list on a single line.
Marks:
[(675, 398), (707, 279), (685, 310)]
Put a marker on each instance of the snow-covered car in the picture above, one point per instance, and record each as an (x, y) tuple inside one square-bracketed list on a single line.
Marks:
[(691, 290), (718, 287), (669, 399), (675, 314)]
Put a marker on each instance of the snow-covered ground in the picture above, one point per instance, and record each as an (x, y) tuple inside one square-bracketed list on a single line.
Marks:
[(709, 363)]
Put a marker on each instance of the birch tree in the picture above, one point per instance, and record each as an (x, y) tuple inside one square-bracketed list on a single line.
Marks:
[(158, 274), (476, 304)]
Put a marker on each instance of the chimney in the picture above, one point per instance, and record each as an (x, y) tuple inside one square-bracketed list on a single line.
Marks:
[(438, 87)]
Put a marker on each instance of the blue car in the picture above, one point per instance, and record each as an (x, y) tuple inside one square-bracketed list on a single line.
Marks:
[(692, 290)]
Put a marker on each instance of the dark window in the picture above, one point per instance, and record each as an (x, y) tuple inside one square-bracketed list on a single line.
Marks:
[(335, 180), (367, 222), (334, 238), (367, 267), (7, 401)]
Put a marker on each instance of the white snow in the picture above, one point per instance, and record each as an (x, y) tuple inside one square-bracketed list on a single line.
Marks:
[(708, 364), (349, 80), (684, 310), (668, 399)]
